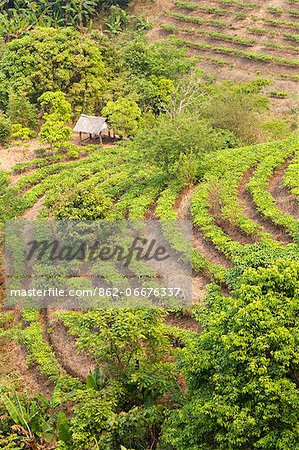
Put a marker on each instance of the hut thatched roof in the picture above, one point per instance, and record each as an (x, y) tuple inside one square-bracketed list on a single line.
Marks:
[(90, 124)]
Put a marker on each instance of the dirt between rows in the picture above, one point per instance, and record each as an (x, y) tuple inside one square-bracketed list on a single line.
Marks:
[(76, 364)]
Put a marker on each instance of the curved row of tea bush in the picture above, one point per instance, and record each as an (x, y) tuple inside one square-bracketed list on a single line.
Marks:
[(263, 199)]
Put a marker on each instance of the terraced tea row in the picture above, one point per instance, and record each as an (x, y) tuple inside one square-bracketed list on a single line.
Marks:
[(238, 223), (247, 33)]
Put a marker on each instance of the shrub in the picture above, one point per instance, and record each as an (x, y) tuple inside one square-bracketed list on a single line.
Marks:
[(21, 111), (22, 133), (5, 128), (73, 154)]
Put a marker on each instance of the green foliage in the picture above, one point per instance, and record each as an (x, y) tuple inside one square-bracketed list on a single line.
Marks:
[(56, 103), (5, 128), (275, 10), (132, 344), (124, 115), (242, 370), (57, 112), (173, 140), (162, 59), (83, 204), (242, 53), (73, 154), (17, 16), (207, 9), (21, 111), (54, 132), (154, 93), (30, 420), (291, 176), (22, 133), (236, 108), (193, 19), (117, 20), (48, 59)]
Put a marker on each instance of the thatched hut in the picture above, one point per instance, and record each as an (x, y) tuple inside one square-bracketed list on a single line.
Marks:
[(94, 126)]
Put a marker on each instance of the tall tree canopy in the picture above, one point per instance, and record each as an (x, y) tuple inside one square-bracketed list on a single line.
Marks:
[(49, 59), (243, 369)]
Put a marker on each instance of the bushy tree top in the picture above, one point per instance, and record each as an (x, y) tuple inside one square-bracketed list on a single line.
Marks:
[(243, 370)]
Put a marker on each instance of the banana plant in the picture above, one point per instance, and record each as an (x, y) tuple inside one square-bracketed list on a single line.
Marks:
[(95, 380), (80, 12), (29, 420), (117, 20)]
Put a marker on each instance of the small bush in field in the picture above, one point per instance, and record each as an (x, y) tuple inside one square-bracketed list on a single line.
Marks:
[(73, 154), (22, 133)]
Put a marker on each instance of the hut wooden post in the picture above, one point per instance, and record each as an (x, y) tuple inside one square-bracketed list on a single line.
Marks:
[(80, 137), (101, 140)]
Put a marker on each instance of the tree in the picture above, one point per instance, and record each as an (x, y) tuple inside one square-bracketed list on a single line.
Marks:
[(184, 95), (168, 141), (56, 103), (57, 112), (153, 92), (49, 59), (162, 59), (124, 115), (20, 110), (236, 107), (243, 369)]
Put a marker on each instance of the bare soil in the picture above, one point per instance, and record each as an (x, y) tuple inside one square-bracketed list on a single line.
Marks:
[(184, 322), (32, 213), (26, 378), (75, 363), (15, 154), (237, 23)]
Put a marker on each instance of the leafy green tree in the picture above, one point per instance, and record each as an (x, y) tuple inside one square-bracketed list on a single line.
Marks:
[(124, 115), (122, 407), (49, 59), (162, 59), (153, 92), (243, 369), (57, 112), (168, 142), (56, 103), (54, 132), (21, 111), (236, 107)]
